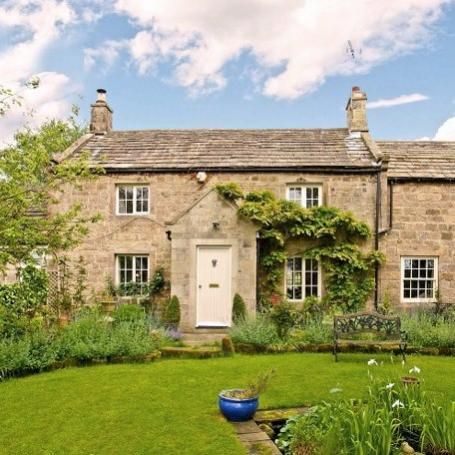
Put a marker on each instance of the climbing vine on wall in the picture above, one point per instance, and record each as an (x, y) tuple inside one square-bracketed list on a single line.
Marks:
[(334, 238)]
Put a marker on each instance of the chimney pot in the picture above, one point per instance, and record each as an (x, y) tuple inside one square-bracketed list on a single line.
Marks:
[(101, 94), (101, 114)]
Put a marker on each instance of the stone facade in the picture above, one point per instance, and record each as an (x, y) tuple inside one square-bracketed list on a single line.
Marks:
[(403, 190), (176, 193), (423, 225)]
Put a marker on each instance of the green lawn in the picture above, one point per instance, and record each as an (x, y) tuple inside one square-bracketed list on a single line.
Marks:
[(170, 407)]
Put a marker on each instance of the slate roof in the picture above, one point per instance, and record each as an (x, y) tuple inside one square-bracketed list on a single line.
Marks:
[(419, 159), (227, 149)]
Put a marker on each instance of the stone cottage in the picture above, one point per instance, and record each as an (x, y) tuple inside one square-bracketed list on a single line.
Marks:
[(159, 208)]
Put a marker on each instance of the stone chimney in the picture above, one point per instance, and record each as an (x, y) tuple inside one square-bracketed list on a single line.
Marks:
[(356, 111), (101, 114)]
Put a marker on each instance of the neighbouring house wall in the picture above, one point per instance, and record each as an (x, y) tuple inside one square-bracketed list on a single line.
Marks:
[(171, 194), (423, 225)]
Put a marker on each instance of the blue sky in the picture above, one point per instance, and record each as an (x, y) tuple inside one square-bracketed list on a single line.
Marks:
[(234, 63)]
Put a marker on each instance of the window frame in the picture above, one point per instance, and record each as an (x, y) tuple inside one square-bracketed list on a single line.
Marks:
[(304, 200), (304, 296), (133, 269), (435, 280), (135, 188)]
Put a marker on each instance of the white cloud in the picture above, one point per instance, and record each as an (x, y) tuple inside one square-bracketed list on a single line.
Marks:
[(106, 54), (43, 20), (402, 99), (446, 132), (50, 100), (296, 44), (36, 26)]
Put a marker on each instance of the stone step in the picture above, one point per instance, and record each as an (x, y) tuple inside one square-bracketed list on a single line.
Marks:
[(199, 338)]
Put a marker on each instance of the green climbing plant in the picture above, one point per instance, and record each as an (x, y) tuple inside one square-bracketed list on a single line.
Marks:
[(335, 236)]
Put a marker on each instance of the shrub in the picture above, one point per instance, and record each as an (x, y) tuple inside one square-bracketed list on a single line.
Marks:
[(21, 301), (282, 315), (171, 316), (313, 310), (132, 338), (427, 330), (128, 313), (86, 338), (238, 309), (312, 333), (227, 347), (259, 331), (35, 351), (91, 336)]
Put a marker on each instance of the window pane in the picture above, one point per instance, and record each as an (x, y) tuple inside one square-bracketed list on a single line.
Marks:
[(295, 194), (294, 278), (289, 293), (420, 281), (129, 206), (129, 262), (122, 207)]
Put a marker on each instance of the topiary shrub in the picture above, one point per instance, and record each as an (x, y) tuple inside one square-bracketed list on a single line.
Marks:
[(238, 309), (171, 316), (227, 347)]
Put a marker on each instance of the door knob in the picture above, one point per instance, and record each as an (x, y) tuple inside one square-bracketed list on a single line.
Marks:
[(200, 286)]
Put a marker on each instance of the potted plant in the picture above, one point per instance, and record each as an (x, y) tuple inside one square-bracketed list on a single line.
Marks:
[(411, 380), (239, 405)]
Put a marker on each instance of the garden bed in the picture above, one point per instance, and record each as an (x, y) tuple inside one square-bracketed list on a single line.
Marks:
[(250, 348), (203, 352)]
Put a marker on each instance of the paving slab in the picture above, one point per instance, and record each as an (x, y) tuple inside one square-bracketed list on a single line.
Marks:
[(274, 415)]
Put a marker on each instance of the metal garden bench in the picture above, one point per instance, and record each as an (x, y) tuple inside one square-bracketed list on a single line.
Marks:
[(345, 328)]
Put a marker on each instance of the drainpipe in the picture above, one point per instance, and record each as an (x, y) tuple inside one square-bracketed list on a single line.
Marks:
[(258, 247), (376, 235), (389, 227)]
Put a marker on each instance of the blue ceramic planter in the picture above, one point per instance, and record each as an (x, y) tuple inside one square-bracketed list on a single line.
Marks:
[(237, 409)]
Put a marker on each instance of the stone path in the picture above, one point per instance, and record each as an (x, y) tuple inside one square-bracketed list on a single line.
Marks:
[(257, 441)]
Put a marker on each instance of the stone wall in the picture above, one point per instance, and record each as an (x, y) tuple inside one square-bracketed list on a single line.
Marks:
[(423, 225), (173, 194), (170, 195)]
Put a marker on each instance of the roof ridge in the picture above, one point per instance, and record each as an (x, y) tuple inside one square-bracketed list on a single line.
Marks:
[(411, 141), (223, 129)]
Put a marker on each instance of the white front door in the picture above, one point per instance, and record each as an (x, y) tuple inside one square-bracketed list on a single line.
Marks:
[(214, 300)]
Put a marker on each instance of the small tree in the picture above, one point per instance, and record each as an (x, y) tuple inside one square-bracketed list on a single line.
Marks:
[(31, 183), (238, 309), (171, 317)]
